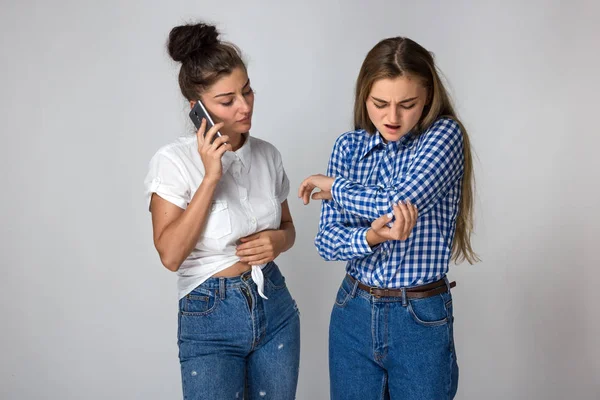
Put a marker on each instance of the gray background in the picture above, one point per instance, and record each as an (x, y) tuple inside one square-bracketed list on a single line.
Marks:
[(89, 94)]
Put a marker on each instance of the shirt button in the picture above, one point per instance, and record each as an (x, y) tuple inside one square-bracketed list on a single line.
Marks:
[(253, 220)]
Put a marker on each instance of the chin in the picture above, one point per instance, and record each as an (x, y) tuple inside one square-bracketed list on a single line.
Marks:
[(392, 137), (244, 127)]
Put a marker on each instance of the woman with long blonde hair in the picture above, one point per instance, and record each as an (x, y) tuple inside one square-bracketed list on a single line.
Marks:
[(398, 206)]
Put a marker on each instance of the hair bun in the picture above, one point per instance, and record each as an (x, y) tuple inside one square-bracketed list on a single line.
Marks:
[(187, 40)]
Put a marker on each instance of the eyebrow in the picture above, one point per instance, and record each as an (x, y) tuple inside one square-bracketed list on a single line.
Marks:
[(232, 93), (403, 101)]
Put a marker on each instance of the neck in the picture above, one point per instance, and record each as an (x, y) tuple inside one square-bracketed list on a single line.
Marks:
[(237, 140)]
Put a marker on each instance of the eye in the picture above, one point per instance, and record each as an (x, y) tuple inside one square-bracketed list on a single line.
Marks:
[(248, 92), (380, 106), (409, 107), (229, 103)]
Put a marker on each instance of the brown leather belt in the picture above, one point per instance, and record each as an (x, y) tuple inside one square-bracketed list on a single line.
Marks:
[(417, 292)]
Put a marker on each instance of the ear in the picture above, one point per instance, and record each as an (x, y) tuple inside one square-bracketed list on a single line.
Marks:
[(192, 103)]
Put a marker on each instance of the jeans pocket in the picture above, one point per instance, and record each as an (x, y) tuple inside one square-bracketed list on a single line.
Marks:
[(342, 296), (274, 277), (198, 303), (449, 310), (430, 311)]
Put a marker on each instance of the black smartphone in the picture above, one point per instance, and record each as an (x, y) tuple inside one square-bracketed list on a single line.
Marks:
[(197, 113)]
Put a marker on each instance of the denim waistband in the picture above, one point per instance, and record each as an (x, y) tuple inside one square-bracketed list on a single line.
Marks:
[(236, 281), (353, 289)]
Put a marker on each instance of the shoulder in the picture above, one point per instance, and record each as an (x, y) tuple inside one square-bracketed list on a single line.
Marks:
[(178, 152), (179, 148), (445, 127), (263, 148), (349, 143)]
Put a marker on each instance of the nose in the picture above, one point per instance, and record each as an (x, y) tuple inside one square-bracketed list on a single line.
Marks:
[(394, 116), (245, 106)]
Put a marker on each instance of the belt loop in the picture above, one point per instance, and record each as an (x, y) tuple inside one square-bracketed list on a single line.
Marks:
[(404, 299), (447, 282), (354, 288), (222, 288)]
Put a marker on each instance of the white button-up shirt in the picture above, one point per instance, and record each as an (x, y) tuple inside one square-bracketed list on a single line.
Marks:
[(247, 200)]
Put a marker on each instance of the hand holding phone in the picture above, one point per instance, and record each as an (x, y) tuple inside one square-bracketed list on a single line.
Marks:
[(211, 150), (199, 112)]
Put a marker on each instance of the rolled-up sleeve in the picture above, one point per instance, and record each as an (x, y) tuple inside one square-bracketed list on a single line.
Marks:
[(340, 236), (438, 163), (166, 179), (282, 184)]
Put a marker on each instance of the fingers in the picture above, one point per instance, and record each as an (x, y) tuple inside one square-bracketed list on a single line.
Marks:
[(413, 212), (221, 150), (314, 182), (405, 215), (305, 189), (249, 238), (219, 141), (210, 135), (397, 229), (251, 244), (256, 255), (217, 148), (412, 219), (380, 222), (200, 132), (322, 195), (302, 188), (257, 260), (250, 251), (408, 224)]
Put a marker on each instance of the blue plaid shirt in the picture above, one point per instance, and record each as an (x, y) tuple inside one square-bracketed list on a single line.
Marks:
[(370, 176)]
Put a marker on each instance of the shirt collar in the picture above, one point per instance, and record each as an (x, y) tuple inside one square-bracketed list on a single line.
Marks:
[(243, 154), (372, 142), (376, 139)]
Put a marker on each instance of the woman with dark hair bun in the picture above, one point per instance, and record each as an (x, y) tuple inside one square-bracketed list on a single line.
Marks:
[(220, 217)]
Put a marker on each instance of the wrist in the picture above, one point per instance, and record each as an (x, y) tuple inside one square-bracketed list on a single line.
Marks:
[(210, 180), (373, 239)]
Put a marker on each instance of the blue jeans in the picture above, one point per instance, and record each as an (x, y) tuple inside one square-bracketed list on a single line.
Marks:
[(232, 341), (382, 348)]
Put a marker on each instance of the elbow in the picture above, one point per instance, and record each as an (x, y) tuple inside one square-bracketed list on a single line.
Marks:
[(170, 264), (325, 255), (171, 252), (169, 260)]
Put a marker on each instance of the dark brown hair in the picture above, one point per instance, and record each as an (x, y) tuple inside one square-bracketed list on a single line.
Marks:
[(399, 56), (204, 58)]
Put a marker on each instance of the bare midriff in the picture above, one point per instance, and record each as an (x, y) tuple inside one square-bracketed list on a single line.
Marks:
[(235, 270)]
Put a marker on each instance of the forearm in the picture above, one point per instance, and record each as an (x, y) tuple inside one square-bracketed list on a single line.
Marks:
[(179, 238), (437, 165), (374, 239), (370, 202), (288, 232), (336, 242)]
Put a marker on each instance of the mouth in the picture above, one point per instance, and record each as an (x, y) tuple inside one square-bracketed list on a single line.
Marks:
[(391, 127), (244, 120)]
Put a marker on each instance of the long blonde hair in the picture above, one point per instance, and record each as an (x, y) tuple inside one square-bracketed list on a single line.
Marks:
[(400, 56)]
